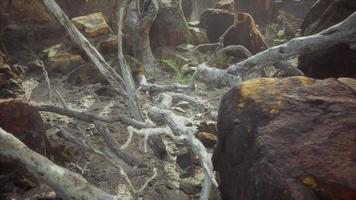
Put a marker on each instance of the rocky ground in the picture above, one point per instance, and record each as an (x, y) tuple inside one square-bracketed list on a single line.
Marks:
[(264, 114)]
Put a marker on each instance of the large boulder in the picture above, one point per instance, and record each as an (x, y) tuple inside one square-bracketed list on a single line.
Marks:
[(245, 32), (337, 61), (24, 122), (170, 27), (291, 138)]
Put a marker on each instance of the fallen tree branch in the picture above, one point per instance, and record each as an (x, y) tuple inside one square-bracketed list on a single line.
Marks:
[(125, 69), (156, 88), (89, 117), (114, 146), (45, 74), (344, 32), (146, 133), (195, 104), (64, 104), (176, 124), (66, 184)]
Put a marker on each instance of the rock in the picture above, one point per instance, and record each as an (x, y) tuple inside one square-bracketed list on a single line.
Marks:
[(207, 126), (263, 11), (192, 185), (92, 25), (61, 60), (4, 68), (26, 12), (315, 13), (106, 43), (289, 138), (324, 63), (209, 140), (216, 21), (349, 82), (24, 122), (33, 66), (244, 33), (226, 5), (86, 74), (199, 36), (9, 82), (170, 27), (193, 9), (3, 79)]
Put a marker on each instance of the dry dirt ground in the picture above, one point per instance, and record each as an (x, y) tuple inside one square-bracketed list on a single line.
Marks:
[(102, 100)]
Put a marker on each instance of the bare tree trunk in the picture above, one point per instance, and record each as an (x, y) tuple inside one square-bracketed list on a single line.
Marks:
[(66, 184), (140, 23), (125, 69)]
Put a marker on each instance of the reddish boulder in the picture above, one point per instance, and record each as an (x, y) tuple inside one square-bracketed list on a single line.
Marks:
[(288, 139), (325, 63), (209, 140), (24, 122), (170, 27), (244, 33)]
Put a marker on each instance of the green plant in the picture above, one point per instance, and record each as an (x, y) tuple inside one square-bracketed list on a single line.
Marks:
[(180, 75)]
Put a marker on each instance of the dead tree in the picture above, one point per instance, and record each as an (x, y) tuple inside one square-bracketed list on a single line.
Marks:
[(65, 183), (125, 69), (139, 24), (105, 69)]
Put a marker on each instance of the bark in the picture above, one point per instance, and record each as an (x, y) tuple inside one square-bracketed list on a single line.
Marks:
[(125, 70), (66, 184), (99, 62), (344, 32), (114, 146), (88, 117), (139, 27), (177, 125)]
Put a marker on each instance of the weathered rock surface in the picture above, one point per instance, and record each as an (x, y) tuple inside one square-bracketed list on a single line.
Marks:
[(60, 59), (290, 138), (325, 63), (92, 25), (244, 33), (9, 85), (199, 35), (226, 5), (170, 27), (208, 139), (216, 21), (25, 123)]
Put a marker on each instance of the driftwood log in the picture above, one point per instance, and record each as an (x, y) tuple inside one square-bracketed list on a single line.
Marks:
[(66, 184), (344, 32)]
